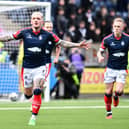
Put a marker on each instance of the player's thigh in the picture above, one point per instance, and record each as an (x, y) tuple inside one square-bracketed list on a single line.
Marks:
[(39, 76), (120, 87), (109, 87), (120, 80), (109, 76), (121, 77), (28, 81)]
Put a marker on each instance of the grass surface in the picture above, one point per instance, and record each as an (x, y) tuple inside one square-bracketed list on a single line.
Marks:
[(65, 114)]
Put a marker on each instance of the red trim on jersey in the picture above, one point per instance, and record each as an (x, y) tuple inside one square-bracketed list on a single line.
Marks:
[(48, 67), (125, 34), (17, 33), (126, 71), (36, 32), (22, 78), (102, 44), (118, 38), (56, 38), (105, 70)]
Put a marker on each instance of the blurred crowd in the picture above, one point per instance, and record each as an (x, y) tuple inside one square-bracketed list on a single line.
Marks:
[(84, 19), (87, 19)]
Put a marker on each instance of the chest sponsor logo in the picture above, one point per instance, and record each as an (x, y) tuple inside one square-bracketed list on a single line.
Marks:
[(34, 49), (119, 54), (112, 44), (29, 36)]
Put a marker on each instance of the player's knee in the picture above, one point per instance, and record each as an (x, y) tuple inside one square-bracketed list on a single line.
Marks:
[(108, 95), (119, 93), (27, 96), (37, 91), (41, 82)]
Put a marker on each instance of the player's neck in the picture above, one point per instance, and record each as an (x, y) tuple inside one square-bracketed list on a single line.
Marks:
[(117, 35), (36, 29)]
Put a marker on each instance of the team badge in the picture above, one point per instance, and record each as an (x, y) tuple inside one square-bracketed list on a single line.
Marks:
[(49, 43), (40, 37), (122, 43)]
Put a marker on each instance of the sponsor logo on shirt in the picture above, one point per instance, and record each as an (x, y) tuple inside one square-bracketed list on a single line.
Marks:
[(119, 54), (34, 49)]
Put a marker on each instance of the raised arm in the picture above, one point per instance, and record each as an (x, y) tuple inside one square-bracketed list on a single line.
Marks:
[(83, 44), (6, 38)]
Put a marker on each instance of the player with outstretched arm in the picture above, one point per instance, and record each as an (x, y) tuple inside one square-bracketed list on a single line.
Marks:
[(35, 41)]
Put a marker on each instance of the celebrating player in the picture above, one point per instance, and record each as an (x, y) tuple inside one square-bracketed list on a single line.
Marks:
[(35, 42), (117, 44)]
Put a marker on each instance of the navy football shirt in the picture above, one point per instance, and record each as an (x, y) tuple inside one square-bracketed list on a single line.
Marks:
[(35, 44), (118, 51), (48, 51)]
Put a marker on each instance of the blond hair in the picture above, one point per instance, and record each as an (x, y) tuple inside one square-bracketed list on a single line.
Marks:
[(118, 19), (37, 13)]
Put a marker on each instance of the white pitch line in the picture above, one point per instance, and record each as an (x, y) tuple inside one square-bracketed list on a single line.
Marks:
[(60, 107)]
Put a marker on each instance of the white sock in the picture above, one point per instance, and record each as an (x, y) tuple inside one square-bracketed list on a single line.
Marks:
[(33, 116)]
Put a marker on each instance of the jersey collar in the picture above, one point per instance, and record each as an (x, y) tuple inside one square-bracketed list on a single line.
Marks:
[(36, 32), (117, 38)]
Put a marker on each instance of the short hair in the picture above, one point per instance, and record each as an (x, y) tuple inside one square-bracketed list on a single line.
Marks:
[(118, 19), (37, 12), (47, 22)]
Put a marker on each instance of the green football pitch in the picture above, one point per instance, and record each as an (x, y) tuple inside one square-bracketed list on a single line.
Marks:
[(65, 114)]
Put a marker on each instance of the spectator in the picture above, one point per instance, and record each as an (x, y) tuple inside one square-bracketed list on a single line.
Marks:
[(91, 32), (67, 74), (74, 33), (82, 29), (71, 8), (61, 22), (97, 35), (77, 59), (73, 19)]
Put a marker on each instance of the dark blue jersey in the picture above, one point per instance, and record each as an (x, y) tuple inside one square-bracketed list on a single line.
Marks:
[(117, 51), (35, 44), (48, 51)]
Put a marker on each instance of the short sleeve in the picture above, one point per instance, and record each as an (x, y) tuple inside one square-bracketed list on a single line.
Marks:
[(103, 45), (18, 34), (55, 39)]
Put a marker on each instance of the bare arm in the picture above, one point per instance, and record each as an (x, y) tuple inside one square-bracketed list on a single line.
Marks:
[(69, 44), (6, 38), (83, 44), (100, 55), (58, 49)]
